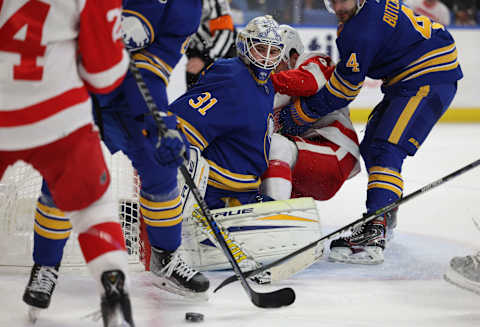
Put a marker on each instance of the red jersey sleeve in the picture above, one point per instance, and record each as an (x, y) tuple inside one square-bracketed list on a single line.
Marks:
[(305, 80), (104, 61)]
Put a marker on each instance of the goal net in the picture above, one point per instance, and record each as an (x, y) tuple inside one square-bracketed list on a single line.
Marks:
[(19, 190)]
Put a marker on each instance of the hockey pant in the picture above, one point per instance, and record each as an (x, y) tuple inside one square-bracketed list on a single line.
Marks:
[(318, 170)]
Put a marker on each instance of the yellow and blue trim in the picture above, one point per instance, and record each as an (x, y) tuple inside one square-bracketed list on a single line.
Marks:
[(299, 115), (193, 135), (341, 88), (407, 114), (51, 223), (386, 179), (148, 61), (225, 179), (161, 213), (442, 59)]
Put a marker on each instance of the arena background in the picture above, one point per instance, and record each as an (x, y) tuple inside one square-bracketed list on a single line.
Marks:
[(465, 107)]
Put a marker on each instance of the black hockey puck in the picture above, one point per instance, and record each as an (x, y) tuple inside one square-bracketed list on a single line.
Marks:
[(194, 316)]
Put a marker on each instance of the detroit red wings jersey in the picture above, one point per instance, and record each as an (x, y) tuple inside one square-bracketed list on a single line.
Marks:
[(51, 54), (310, 74)]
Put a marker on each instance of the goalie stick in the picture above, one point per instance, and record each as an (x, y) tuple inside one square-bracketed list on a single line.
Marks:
[(274, 299), (303, 255)]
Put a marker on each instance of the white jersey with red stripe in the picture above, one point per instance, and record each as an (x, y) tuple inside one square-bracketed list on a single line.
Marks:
[(52, 53), (309, 77)]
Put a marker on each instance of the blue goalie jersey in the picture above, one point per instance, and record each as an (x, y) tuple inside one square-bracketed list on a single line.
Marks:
[(385, 40), (228, 115)]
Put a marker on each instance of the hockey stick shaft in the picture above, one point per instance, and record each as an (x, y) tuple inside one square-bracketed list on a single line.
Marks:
[(282, 297), (356, 223)]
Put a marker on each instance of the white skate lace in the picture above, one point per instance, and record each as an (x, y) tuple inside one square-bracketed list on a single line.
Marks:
[(179, 266), (44, 280), (355, 232)]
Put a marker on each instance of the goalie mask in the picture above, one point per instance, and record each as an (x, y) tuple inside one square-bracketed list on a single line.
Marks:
[(260, 43), (292, 41)]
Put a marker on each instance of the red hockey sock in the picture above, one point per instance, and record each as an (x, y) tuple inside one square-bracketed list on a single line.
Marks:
[(279, 169), (100, 239)]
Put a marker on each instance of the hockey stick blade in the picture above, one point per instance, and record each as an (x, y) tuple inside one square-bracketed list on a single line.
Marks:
[(281, 297), (352, 225), (275, 299)]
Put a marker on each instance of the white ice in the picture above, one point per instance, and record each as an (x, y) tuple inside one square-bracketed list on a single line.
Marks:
[(407, 290)]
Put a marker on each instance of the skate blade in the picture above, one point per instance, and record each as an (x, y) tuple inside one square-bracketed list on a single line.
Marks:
[(369, 256), (33, 314), (167, 285), (458, 280), (94, 316)]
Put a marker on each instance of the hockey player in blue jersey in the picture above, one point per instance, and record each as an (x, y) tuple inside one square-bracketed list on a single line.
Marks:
[(156, 32), (228, 114), (417, 61)]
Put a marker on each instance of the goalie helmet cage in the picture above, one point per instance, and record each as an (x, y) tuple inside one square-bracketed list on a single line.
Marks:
[(19, 191)]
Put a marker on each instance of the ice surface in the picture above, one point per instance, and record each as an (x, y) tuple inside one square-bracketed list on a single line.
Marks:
[(407, 290)]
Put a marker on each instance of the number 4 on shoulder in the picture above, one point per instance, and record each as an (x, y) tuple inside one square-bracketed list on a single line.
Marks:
[(22, 34), (353, 63)]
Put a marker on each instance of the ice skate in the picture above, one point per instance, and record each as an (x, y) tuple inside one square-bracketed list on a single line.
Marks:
[(464, 272), (115, 304), (39, 290), (364, 246), (174, 275)]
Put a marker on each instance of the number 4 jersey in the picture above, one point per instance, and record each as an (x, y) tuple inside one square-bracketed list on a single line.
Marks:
[(52, 52), (386, 40)]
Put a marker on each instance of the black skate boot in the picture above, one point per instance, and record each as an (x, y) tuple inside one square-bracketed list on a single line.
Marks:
[(364, 246), (116, 308), (175, 276), (41, 285)]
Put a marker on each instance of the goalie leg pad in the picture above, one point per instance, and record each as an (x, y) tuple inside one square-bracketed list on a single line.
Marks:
[(264, 231), (198, 168)]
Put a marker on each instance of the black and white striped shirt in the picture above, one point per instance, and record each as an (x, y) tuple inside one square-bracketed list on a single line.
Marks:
[(215, 37)]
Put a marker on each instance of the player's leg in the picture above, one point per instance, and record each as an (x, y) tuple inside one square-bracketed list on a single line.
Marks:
[(81, 189), (397, 128), (51, 232), (161, 210), (277, 179)]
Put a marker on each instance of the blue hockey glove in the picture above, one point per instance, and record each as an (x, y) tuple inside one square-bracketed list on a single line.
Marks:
[(286, 123), (172, 146)]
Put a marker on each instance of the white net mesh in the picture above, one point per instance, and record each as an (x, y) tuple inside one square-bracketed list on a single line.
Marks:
[(19, 190)]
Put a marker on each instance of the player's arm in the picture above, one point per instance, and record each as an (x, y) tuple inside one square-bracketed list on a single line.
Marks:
[(306, 80), (104, 60), (356, 56), (139, 23)]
